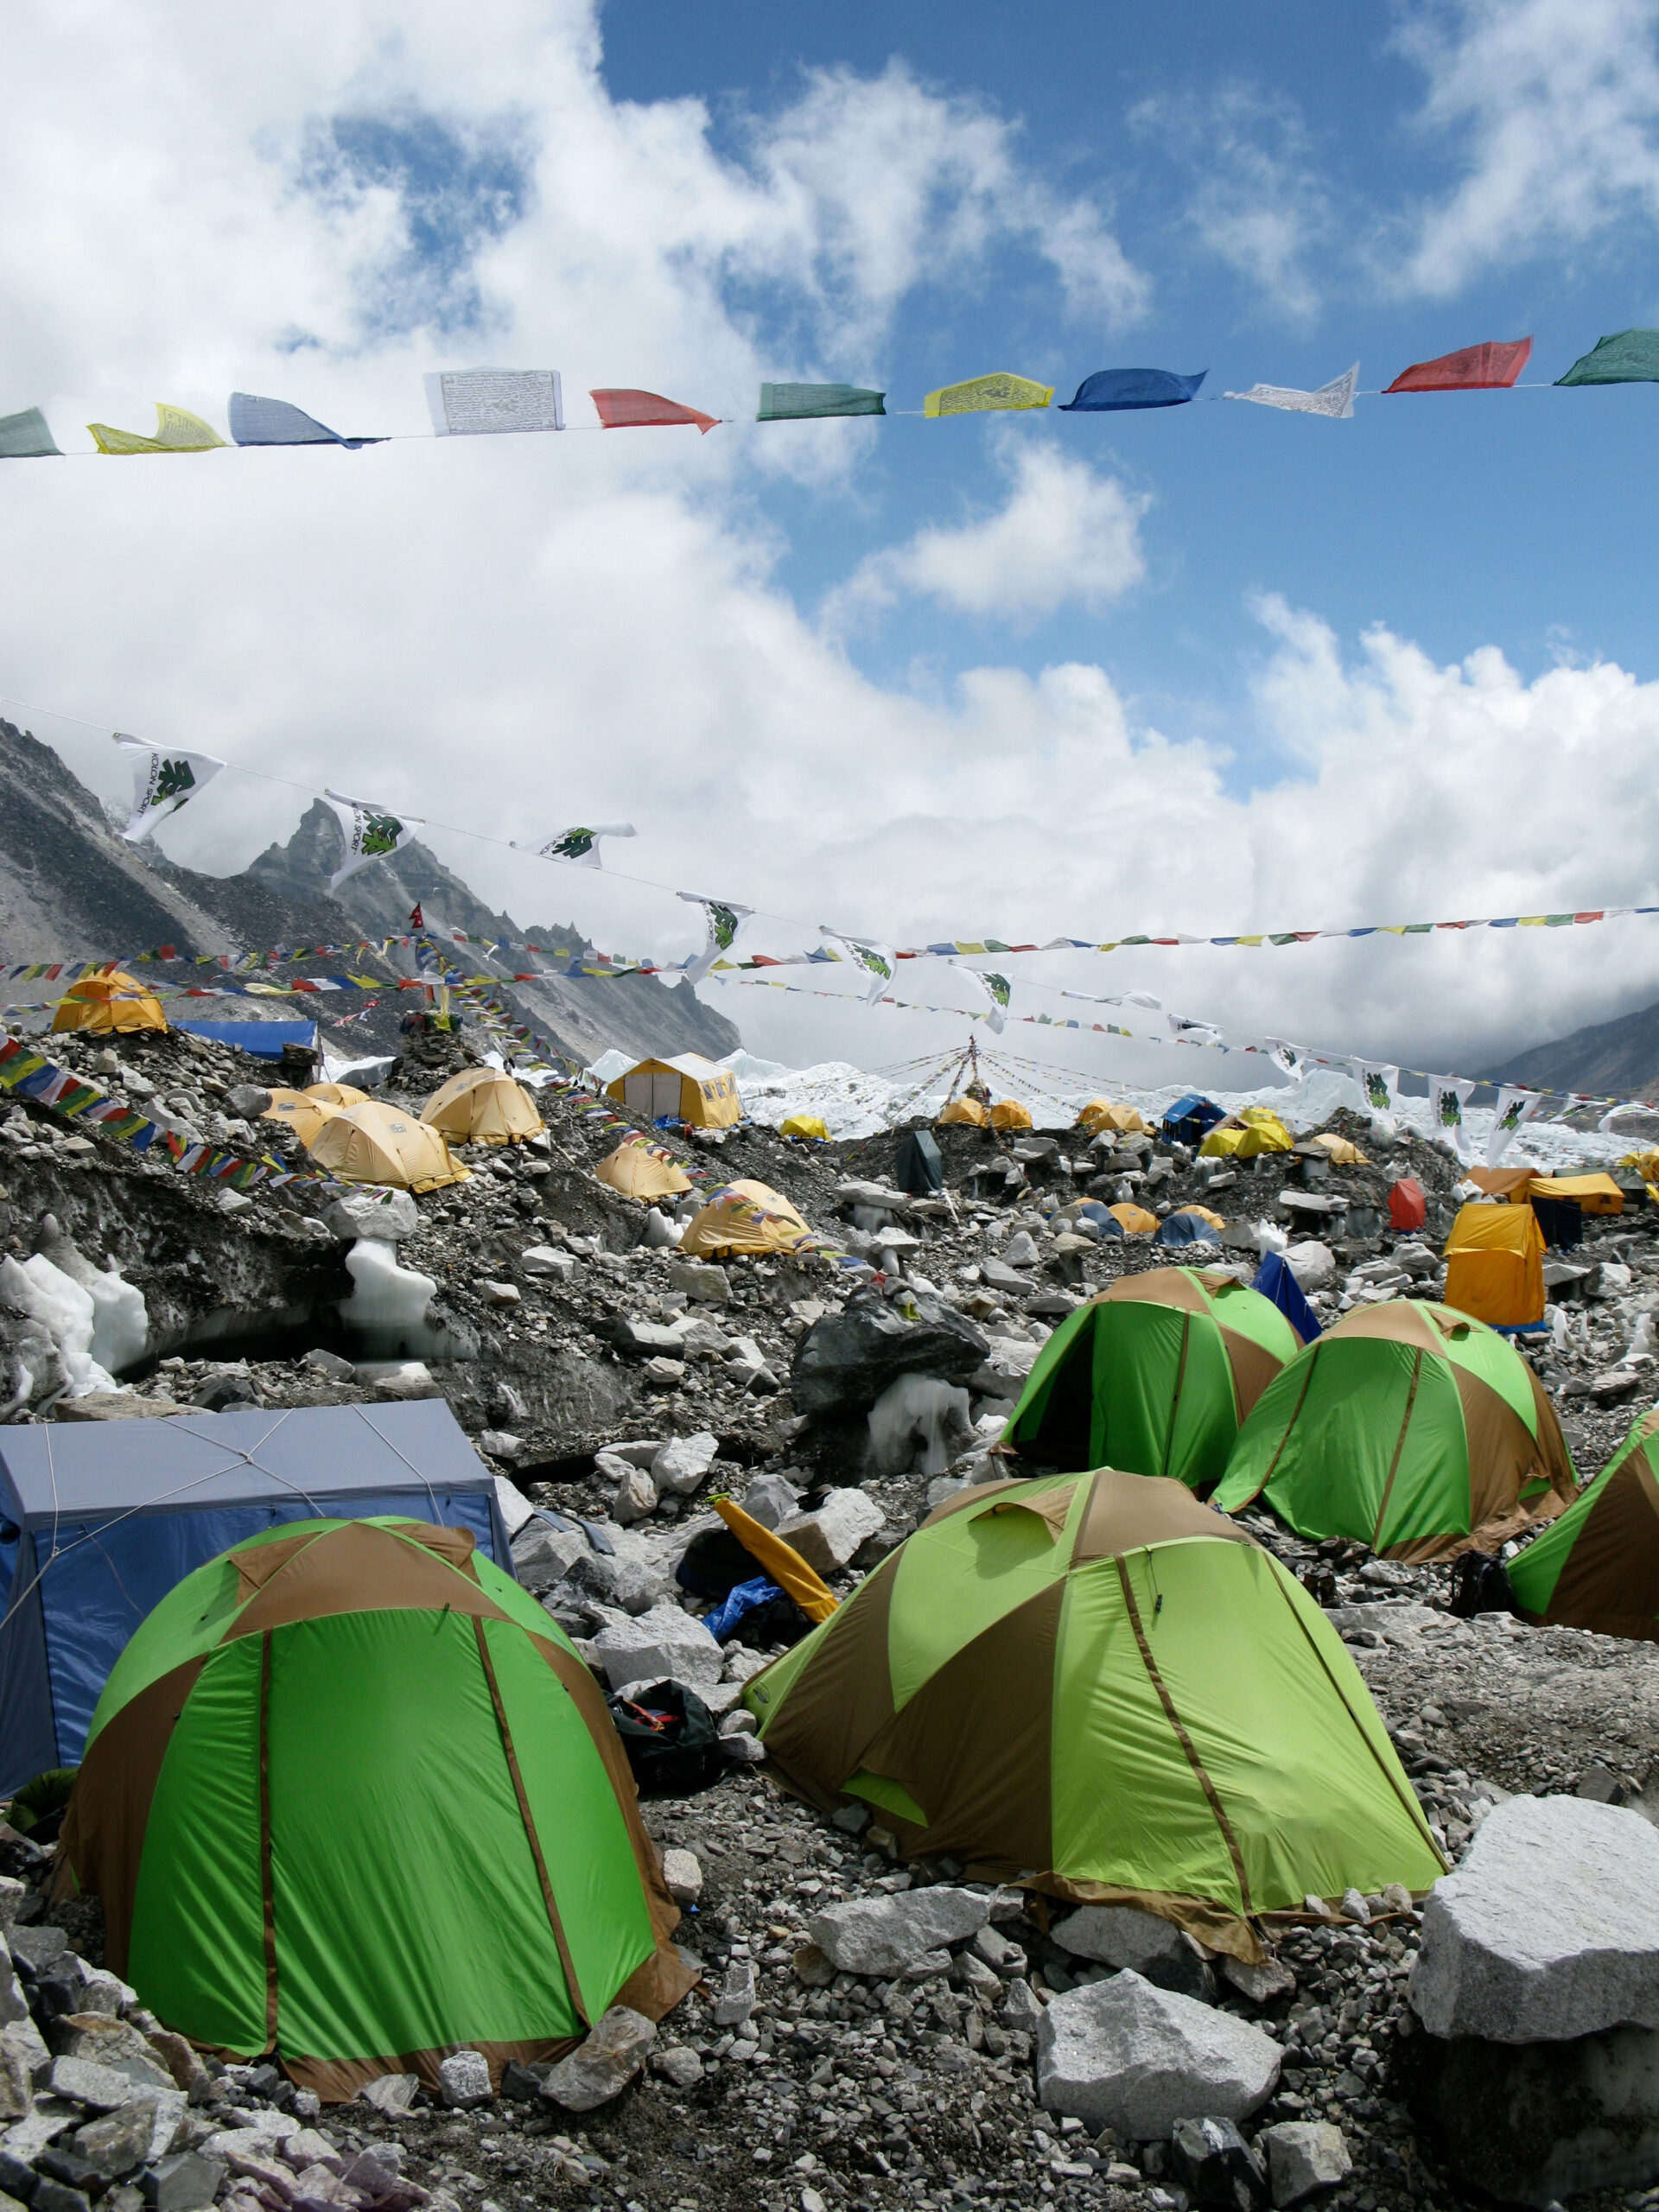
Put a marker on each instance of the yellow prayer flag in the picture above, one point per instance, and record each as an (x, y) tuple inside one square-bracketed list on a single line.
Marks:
[(177, 431), (984, 395)]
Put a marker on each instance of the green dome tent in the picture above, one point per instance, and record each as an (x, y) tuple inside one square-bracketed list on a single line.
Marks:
[(1597, 1566), (1409, 1427), (1096, 1684), (350, 1796), (1154, 1376)]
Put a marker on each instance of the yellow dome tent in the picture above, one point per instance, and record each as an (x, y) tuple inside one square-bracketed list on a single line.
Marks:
[(1101, 1114), (337, 1094), (305, 1116), (1341, 1151), (1595, 1193), (1495, 1265), (689, 1089), (640, 1170), (109, 1003), (744, 1217), (964, 1109), (378, 1143), (482, 1106), (1009, 1114), (1257, 1129), (1134, 1221), (804, 1125)]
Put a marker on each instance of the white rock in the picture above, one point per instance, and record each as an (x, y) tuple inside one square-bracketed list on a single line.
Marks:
[(683, 1875), (1117, 1935), (601, 2067), (826, 1540), (1548, 1929), (634, 1497), (1020, 1250), (679, 2065), (736, 1999), (546, 1260), (770, 1500), (663, 1641), (391, 2093), (681, 1466), (1313, 1264), (464, 2078), (501, 1444), (500, 1294), (1303, 2156), (1125, 2054), (885, 1935), (386, 1215), (701, 1280)]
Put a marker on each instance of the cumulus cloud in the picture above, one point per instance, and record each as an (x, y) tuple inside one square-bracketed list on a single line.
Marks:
[(1554, 106), (1065, 535)]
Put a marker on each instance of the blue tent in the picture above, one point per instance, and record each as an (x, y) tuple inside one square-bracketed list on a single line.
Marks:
[(264, 1039), (1187, 1229), (1274, 1281), (103, 1518), (1190, 1119)]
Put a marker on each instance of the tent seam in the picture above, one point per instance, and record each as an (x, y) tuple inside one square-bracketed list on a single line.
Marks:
[(1399, 1443), (1182, 1737), (267, 1882), (1279, 1449), (1175, 1403)]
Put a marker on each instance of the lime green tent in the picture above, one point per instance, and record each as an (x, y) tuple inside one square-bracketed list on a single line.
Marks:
[(1409, 1427), (1154, 1376), (1597, 1566), (1098, 1684), (350, 1796)]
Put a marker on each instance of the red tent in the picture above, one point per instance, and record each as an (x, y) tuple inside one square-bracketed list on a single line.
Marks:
[(1407, 1208)]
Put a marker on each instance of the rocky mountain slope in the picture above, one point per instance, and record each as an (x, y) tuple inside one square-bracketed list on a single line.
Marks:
[(68, 883), (1616, 1058)]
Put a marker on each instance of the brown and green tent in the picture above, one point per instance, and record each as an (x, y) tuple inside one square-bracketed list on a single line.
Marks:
[(1153, 1376), (1096, 1684), (1597, 1566), (1409, 1427), (351, 1798)]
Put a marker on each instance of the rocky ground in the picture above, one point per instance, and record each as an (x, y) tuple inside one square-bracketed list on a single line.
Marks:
[(588, 1346)]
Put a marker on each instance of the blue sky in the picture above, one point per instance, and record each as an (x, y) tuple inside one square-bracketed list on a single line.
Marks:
[(1212, 668)]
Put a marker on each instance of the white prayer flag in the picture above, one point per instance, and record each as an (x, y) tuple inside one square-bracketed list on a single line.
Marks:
[(162, 782), (1336, 398), (484, 403), (724, 919), (579, 844), (371, 833), (1288, 1059), (878, 960), (1381, 1083), (1515, 1106), (997, 991), (1447, 1097)]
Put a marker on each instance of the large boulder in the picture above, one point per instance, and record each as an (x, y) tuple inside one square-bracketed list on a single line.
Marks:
[(385, 1216), (828, 1538), (1547, 1931), (845, 1360), (603, 2065), (1124, 2055), (1304, 2157), (886, 1935), (662, 1642), (1122, 1936)]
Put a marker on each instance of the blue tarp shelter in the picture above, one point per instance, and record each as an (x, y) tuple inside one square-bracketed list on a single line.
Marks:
[(1274, 1280), (1189, 1120), (103, 1518), (264, 1039)]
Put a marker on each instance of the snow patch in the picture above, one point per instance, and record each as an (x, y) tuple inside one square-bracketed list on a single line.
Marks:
[(386, 1296), (67, 1319)]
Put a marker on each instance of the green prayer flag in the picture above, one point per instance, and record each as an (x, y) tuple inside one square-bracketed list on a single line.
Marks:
[(1628, 357), (796, 402), (26, 435)]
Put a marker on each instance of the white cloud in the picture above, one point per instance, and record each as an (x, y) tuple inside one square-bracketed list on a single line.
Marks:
[(1552, 108), (1064, 537)]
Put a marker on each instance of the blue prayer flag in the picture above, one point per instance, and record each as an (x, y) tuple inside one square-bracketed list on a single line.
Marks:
[(1108, 390)]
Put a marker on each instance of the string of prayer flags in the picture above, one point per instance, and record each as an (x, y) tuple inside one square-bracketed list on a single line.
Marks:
[(1335, 398), (485, 403), (994, 394), (638, 410), (1493, 365), (161, 782), (371, 833), (1109, 390), (177, 431), (578, 845), (724, 919), (22, 437), (800, 402), (1628, 357), (878, 960), (255, 421)]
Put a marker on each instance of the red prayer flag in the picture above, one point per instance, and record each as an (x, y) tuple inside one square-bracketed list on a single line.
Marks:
[(1492, 365), (631, 410)]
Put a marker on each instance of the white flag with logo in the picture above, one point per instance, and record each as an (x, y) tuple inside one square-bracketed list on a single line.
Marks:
[(162, 782), (373, 833), (579, 844)]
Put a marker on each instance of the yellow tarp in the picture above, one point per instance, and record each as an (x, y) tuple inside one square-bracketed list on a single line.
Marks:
[(1646, 1165), (1595, 1193), (744, 1217), (780, 1559), (640, 1170), (804, 1125), (1345, 1154), (1101, 1114), (482, 1106), (965, 1109), (177, 431), (109, 1003), (1009, 1114), (378, 1143), (984, 395), (1135, 1221), (1495, 1265), (305, 1116), (337, 1094), (687, 1087)]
